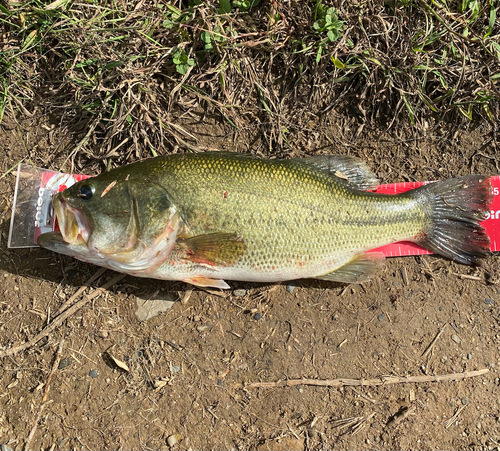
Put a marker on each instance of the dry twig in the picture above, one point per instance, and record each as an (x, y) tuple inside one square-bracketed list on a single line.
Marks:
[(354, 424), (367, 398), (384, 380), (44, 397), (433, 342), (451, 420), (466, 276)]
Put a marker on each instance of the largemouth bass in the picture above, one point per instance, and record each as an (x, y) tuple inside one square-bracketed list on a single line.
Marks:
[(210, 217)]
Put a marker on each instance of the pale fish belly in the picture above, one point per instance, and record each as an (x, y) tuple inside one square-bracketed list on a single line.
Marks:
[(181, 270)]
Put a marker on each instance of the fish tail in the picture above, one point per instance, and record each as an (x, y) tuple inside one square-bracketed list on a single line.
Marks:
[(454, 210)]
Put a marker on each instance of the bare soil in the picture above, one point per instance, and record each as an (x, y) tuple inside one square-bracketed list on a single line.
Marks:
[(185, 365)]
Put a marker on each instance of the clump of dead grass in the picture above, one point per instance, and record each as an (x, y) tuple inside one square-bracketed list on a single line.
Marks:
[(121, 75)]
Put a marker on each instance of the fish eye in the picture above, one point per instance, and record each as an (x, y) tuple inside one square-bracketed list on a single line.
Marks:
[(86, 192)]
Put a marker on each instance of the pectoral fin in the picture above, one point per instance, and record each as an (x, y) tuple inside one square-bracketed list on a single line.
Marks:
[(206, 282), (359, 269), (222, 249)]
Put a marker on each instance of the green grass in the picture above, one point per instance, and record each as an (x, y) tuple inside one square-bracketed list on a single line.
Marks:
[(125, 69)]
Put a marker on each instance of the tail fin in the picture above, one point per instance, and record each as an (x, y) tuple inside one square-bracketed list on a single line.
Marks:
[(456, 207)]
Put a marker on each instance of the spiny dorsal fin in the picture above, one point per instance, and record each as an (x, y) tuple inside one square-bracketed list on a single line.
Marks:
[(359, 269), (355, 171), (223, 249)]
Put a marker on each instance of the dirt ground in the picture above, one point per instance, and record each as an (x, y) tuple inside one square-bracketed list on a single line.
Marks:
[(185, 365)]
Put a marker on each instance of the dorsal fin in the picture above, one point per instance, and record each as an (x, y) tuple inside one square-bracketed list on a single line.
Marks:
[(346, 168)]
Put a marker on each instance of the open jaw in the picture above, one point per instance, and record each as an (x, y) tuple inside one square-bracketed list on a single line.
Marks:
[(72, 222)]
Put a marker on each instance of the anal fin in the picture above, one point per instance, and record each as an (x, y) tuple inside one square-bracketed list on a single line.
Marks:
[(361, 268), (202, 281)]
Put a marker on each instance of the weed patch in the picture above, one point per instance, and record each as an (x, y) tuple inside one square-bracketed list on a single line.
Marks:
[(127, 69)]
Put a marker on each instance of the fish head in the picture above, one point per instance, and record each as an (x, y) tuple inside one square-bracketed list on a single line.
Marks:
[(114, 215), (98, 213)]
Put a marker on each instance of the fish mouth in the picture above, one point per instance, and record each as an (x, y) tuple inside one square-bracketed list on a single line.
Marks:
[(53, 241), (73, 224)]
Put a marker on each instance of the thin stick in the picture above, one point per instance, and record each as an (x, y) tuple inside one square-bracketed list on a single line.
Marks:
[(58, 320), (433, 342), (54, 366), (384, 380), (466, 276), (44, 397), (354, 424), (451, 420), (363, 396)]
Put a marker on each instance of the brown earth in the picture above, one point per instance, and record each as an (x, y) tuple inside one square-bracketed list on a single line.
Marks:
[(185, 365)]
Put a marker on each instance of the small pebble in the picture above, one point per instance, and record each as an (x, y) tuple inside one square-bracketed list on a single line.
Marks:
[(239, 293), (257, 316), (204, 328), (455, 338), (489, 301), (93, 373), (469, 356), (290, 287), (465, 401), (64, 363), (171, 441), (176, 369), (381, 317), (219, 382), (395, 283)]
